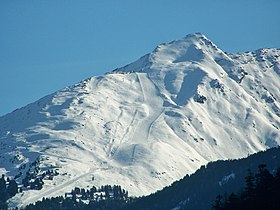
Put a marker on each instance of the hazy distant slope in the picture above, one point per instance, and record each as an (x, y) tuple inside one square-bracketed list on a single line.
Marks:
[(149, 123)]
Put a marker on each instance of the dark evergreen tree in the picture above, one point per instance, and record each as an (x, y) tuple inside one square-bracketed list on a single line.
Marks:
[(12, 188), (218, 203), (3, 193), (232, 202), (250, 185), (264, 181)]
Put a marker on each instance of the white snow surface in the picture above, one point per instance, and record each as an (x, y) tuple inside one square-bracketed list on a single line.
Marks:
[(142, 126)]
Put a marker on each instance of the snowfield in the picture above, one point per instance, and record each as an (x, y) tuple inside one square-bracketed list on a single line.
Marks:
[(149, 123)]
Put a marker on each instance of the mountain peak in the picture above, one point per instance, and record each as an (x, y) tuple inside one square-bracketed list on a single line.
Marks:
[(197, 35), (192, 48)]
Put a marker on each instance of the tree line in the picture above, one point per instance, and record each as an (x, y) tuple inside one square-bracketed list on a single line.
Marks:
[(261, 191)]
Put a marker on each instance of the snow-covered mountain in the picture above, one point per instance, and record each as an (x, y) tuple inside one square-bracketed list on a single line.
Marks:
[(149, 123)]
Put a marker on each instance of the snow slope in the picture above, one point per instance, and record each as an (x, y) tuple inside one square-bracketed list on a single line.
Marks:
[(149, 123)]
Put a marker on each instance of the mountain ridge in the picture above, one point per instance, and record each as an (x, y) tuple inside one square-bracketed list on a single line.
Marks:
[(149, 123)]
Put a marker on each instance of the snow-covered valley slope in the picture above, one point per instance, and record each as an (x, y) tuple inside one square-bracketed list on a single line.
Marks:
[(149, 123)]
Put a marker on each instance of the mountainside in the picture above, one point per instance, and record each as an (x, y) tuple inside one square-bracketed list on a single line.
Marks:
[(199, 190), (149, 123)]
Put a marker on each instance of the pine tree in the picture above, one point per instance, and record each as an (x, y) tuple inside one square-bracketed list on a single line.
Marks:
[(218, 204), (250, 186), (3, 193), (233, 201), (263, 177), (12, 189)]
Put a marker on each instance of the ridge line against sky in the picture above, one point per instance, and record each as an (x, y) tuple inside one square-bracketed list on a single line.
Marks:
[(47, 45)]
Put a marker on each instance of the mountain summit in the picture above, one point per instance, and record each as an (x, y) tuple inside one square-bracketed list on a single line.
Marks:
[(149, 123), (193, 47)]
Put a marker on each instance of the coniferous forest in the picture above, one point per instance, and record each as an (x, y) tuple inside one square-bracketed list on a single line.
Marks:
[(249, 183), (262, 191)]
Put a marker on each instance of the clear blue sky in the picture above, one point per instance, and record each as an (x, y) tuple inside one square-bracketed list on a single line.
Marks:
[(47, 45)]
